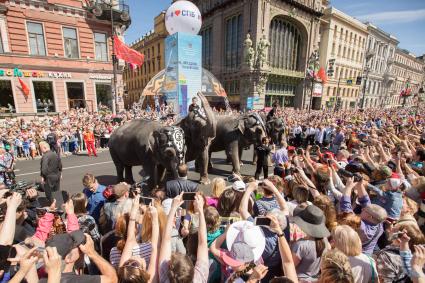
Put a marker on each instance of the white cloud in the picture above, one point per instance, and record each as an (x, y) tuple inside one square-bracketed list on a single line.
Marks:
[(394, 17)]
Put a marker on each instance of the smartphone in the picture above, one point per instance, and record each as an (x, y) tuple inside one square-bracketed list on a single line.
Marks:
[(189, 196), (231, 178), (396, 235), (146, 201), (262, 221)]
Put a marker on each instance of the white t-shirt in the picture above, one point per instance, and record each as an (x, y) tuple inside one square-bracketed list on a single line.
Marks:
[(361, 266)]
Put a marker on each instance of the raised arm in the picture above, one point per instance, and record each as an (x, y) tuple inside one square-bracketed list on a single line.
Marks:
[(153, 263), (280, 199), (285, 252), (131, 232), (202, 254), (165, 251), (243, 207), (7, 232)]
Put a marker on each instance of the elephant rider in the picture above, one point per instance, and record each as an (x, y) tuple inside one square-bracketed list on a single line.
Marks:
[(195, 110), (272, 112)]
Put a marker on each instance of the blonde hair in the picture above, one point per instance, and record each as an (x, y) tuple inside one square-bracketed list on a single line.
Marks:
[(347, 240), (44, 144), (335, 268), (218, 186)]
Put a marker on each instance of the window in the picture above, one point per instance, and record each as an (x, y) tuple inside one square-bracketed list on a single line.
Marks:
[(233, 42), (44, 100), (207, 47), (70, 43), (36, 39), (1, 44), (75, 93), (333, 48), (6, 96), (100, 46)]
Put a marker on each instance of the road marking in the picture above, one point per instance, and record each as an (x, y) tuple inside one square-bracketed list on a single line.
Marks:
[(72, 167)]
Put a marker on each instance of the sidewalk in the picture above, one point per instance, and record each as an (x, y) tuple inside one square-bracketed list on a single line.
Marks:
[(67, 154)]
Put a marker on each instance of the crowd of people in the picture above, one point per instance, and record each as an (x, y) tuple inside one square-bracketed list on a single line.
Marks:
[(345, 203)]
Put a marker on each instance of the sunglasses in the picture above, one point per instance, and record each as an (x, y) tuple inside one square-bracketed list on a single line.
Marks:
[(132, 264)]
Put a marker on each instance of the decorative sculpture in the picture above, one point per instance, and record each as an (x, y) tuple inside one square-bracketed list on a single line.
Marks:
[(249, 52), (262, 47)]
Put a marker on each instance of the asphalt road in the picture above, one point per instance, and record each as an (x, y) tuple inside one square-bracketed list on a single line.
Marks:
[(75, 166)]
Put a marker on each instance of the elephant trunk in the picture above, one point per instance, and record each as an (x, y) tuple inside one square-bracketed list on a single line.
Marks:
[(209, 113)]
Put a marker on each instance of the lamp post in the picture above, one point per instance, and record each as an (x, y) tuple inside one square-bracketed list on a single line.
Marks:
[(366, 72), (97, 9), (312, 62)]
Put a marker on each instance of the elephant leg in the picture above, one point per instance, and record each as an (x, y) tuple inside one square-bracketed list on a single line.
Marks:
[(240, 151), (210, 165), (203, 164), (235, 158), (129, 175), (120, 172)]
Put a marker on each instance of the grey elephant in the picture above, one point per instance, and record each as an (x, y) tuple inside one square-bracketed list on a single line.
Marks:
[(236, 133), (147, 143), (200, 129), (276, 129)]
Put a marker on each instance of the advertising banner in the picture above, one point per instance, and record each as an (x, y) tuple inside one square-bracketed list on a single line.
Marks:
[(183, 75)]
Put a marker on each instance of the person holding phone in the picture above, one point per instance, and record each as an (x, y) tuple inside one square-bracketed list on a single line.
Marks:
[(263, 152)]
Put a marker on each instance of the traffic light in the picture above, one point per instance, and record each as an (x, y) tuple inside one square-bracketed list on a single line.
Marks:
[(359, 80), (330, 71)]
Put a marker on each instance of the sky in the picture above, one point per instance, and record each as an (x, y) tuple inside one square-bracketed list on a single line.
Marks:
[(404, 19)]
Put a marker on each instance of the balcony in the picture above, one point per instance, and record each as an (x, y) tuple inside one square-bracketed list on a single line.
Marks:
[(104, 9)]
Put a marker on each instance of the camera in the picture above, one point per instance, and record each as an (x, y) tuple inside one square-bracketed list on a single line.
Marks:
[(21, 187)]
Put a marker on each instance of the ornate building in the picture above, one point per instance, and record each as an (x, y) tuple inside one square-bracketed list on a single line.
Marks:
[(381, 48), (152, 46), (408, 71), (62, 53), (342, 45), (268, 65)]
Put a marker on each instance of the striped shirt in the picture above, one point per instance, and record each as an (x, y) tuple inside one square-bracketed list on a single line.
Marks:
[(143, 250)]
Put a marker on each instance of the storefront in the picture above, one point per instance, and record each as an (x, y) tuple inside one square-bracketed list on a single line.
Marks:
[(29, 91)]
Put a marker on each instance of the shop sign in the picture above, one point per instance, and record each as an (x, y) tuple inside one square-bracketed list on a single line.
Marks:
[(18, 73), (60, 75), (100, 77)]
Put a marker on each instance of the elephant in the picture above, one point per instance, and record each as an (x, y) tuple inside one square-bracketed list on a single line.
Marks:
[(276, 129), (200, 130), (236, 133), (150, 144)]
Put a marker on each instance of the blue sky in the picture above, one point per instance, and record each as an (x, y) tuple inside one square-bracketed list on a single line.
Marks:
[(403, 19)]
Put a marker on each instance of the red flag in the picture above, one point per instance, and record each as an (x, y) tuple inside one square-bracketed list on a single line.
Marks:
[(127, 54), (321, 74), (25, 89)]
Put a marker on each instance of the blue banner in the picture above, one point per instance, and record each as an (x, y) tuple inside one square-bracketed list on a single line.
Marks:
[(183, 76)]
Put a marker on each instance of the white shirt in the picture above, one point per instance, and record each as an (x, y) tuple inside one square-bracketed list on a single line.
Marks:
[(319, 135), (361, 267), (297, 130)]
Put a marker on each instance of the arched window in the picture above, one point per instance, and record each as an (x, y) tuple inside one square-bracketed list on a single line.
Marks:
[(285, 45)]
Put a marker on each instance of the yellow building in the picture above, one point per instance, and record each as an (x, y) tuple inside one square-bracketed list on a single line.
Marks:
[(152, 46), (343, 44)]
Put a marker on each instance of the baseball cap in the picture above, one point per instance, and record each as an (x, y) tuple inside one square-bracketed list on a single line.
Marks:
[(239, 186), (64, 243), (394, 181)]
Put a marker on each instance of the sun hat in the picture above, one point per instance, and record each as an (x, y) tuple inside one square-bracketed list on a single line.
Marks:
[(239, 186), (312, 221), (246, 243)]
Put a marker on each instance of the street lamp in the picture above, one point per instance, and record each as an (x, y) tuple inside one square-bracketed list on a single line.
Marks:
[(313, 62), (97, 8)]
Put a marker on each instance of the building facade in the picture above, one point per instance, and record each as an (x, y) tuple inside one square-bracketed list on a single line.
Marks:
[(342, 45), (152, 46), (61, 51), (408, 72), (380, 52), (270, 65)]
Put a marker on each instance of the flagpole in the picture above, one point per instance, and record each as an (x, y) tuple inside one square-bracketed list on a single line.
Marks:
[(114, 59)]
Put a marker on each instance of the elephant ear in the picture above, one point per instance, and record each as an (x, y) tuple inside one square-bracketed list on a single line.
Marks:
[(241, 125)]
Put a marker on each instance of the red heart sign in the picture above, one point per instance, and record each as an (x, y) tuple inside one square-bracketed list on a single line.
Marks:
[(177, 12)]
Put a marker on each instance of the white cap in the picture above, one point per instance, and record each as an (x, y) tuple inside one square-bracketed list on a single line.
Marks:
[(239, 186)]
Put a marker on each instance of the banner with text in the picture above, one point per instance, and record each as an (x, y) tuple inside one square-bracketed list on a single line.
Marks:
[(183, 71)]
